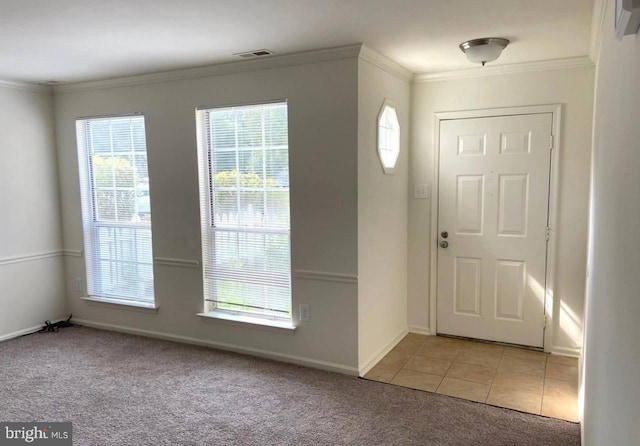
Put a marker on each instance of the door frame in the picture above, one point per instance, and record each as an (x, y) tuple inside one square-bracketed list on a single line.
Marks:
[(551, 305)]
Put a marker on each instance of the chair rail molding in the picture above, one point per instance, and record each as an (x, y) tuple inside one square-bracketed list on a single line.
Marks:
[(181, 263), (325, 276), (30, 257)]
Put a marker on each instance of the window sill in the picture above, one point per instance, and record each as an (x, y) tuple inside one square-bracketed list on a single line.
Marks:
[(125, 304), (240, 320)]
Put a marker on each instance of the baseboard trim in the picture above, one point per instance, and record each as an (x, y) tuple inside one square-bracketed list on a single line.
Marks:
[(267, 354), (566, 351), (419, 329), (381, 353), (26, 331)]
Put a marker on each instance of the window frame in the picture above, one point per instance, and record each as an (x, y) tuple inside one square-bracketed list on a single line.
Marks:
[(91, 222), (207, 215)]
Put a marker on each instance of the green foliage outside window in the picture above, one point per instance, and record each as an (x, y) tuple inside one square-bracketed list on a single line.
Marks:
[(227, 199)]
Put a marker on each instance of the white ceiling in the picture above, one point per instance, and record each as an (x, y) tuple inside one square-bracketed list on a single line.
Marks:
[(76, 40)]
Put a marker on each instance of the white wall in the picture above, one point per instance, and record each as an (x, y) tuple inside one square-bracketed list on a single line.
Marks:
[(31, 267), (382, 218), (612, 351), (573, 88), (323, 120)]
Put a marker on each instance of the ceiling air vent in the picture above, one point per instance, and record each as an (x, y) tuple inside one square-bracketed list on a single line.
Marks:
[(255, 53)]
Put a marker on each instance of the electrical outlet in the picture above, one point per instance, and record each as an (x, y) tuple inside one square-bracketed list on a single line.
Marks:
[(304, 312), (421, 191), (78, 284)]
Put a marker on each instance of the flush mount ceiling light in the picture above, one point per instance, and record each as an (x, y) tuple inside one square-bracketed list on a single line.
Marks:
[(484, 50)]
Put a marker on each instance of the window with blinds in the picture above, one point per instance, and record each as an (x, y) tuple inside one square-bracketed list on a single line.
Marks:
[(244, 200), (116, 215)]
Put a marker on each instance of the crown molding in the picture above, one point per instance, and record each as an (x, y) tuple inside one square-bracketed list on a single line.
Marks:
[(525, 67), (597, 28), (25, 86), (386, 64), (279, 61)]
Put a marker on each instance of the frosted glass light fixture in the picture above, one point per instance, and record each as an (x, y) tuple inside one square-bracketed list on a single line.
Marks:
[(484, 50)]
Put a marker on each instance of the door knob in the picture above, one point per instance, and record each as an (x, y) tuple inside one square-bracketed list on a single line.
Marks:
[(444, 244), (444, 234)]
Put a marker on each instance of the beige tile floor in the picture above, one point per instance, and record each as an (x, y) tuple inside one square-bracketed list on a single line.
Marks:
[(515, 378)]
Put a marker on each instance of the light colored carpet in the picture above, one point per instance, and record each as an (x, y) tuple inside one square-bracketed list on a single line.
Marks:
[(119, 390)]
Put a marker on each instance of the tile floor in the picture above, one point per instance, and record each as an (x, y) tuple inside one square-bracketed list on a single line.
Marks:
[(515, 378)]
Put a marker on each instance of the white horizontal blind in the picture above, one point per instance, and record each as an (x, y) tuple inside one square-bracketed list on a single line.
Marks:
[(244, 199), (114, 184)]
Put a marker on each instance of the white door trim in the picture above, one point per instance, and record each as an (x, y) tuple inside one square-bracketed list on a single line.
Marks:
[(550, 304)]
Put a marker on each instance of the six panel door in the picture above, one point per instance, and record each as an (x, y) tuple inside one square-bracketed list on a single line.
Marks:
[(493, 204)]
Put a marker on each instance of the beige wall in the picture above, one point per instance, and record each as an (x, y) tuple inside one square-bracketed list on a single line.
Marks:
[(573, 88), (31, 268), (612, 351), (323, 121), (382, 218)]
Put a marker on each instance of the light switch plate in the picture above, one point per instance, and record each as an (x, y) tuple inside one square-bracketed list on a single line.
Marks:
[(421, 191)]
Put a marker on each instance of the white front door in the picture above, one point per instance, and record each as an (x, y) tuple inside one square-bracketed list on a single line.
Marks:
[(493, 204)]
